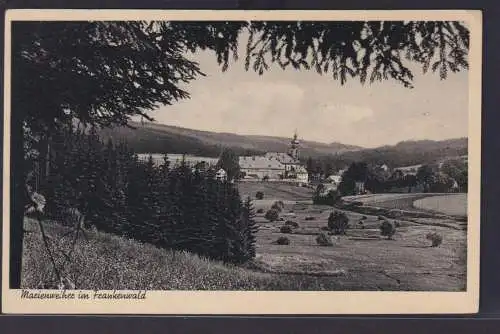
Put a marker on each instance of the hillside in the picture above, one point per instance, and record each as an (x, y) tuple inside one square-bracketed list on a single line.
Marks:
[(160, 138), (408, 153)]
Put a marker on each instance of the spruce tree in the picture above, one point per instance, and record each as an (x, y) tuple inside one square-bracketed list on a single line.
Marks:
[(250, 229)]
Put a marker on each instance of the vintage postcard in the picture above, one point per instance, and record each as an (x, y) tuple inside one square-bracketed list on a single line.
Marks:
[(241, 162)]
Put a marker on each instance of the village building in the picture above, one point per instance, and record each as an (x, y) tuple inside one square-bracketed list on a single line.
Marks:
[(359, 188), (275, 166), (408, 170), (221, 175), (384, 168), (334, 181)]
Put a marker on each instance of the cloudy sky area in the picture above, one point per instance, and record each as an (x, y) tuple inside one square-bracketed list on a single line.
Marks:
[(320, 108)]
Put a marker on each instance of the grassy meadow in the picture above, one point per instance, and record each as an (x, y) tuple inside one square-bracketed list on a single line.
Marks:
[(453, 204)]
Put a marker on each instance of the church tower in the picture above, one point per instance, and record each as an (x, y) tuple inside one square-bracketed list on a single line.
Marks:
[(294, 147)]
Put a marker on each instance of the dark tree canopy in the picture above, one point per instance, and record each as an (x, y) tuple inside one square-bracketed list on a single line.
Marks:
[(374, 50), (105, 72)]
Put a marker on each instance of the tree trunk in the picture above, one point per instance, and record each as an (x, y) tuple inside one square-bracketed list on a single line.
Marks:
[(17, 199)]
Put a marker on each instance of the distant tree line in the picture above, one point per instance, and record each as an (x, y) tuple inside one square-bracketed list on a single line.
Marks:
[(452, 176), (402, 154), (175, 208)]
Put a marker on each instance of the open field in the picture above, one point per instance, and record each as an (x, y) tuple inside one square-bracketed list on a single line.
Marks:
[(455, 204), (449, 204), (275, 191), (390, 201), (362, 255)]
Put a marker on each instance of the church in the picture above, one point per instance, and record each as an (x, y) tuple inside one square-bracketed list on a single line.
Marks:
[(275, 166)]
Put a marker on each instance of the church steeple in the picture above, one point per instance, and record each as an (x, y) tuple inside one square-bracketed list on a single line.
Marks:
[(294, 146)]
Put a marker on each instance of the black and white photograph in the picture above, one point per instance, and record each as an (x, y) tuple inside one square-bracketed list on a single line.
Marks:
[(238, 153)]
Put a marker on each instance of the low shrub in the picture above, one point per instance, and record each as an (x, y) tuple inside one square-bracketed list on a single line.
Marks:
[(292, 224), (272, 215), (280, 219), (283, 241), (259, 195), (387, 229), (331, 198), (397, 223), (286, 229), (260, 210), (278, 206), (361, 225), (323, 240), (338, 222), (310, 218), (435, 238), (380, 218), (364, 218)]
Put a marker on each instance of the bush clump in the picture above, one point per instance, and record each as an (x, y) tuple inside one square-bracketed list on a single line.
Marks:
[(272, 215), (435, 238), (364, 218), (260, 210), (310, 218), (292, 224), (323, 240), (380, 218), (331, 198), (387, 229), (397, 223), (278, 206), (259, 195), (361, 225), (283, 241), (338, 222), (286, 229)]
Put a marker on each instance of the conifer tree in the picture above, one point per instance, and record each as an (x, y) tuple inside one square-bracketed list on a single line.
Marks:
[(250, 229)]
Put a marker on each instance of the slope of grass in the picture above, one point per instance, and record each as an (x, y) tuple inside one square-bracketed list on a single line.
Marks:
[(104, 261)]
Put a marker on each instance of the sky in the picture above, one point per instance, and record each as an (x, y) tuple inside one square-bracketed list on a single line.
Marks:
[(319, 107)]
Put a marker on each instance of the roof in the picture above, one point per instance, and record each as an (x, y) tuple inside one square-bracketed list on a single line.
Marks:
[(408, 168), (335, 178), (284, 158), (259, 162)]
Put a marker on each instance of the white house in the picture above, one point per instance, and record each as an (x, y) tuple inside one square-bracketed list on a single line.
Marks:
[(334, 180), (360, 188), (221, 175), (384, 167)]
